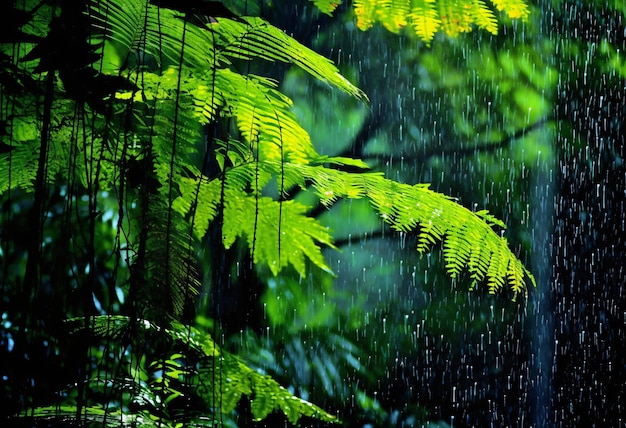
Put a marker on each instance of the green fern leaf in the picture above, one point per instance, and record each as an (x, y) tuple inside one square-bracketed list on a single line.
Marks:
[(456, 251), (278, 233), (365, 12), (222, 376), (265, 119), (497, 271), (468, 238), (483, 17), (326, 6), (455, 16), (258, 39), (393, 14), (203, 195), (490, 219), (513, 8), (425, 19), (138, 26), (478, 263), (429, 16), (18, 168)]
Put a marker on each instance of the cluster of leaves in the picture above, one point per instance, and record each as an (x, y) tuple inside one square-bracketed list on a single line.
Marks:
[(195, 369), (276, 147), (427, 17)]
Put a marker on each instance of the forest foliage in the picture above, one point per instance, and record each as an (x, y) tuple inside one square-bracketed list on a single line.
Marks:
[(141, 140), (427, 17)]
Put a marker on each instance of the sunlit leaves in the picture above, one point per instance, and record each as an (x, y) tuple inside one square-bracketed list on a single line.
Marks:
[(456, 251), (208, 192), (202, 370), (426, 17), (455, 17), (139, 27), (513, 8), (206, 46), (484, 17), (228, 379), (258, 39), (326, 6), (468, 238), (274, 145), (365, 16), (278, 233), (265, 119)]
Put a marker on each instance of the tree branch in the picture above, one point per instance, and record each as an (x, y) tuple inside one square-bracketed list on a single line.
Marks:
[(468, 151)]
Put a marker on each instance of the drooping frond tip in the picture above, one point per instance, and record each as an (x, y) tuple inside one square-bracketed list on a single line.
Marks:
[(470, 243), (326, 6), (427, 17), (236, 379)]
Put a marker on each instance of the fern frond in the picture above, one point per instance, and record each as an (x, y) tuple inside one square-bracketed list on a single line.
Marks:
[(114, 327), (484, 17), (455, 16), (440, 217), (497, 270), (119, 22), (299, 235), (100, 416), (326, 6), (365, 12), (392, 14), (456, 251), (490, 219), (140, 28), (478, 263), (209, 46), (398, 18), (208, 192), (220, 375), (469, 241), (236, 380), (265, 119), (426, 17), (18, 167), (258, 39), (514, 8), (104, 326)]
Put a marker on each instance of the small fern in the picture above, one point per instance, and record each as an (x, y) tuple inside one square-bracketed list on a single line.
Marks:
[(469, 240), (99, 416), (425, 19), (327, 6), (217, 377)]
